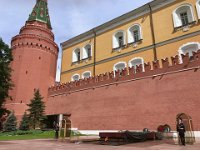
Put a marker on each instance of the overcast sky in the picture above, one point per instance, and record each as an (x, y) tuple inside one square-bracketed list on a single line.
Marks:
[(68, 17)]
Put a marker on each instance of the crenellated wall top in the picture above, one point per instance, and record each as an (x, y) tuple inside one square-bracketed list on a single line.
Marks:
[(152, 70)]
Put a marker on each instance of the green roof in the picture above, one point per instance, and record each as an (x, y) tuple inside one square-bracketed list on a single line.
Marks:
[(40, 13)]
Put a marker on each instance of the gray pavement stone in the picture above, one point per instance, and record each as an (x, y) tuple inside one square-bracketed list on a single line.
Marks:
[(58, 145)]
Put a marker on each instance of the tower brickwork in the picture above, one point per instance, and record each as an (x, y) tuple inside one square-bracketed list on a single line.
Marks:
[(35, 57)]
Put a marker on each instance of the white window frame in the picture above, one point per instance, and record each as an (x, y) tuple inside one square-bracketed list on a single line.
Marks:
[(176, 17), (122, 62), (85, 73), (180, 50), (115, 41), (137, 58), (85, 52), (72, 78), (198, 8), (74, 55), (130, 33)]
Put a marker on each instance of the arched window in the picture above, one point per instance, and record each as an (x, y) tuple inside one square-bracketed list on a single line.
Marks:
[(76, 56), (119, 39), (136, 62), (198, 8), (75, 77), (134, 33), (86, 75), (119, 66), (189, 48), (183, 15), (87, 51)]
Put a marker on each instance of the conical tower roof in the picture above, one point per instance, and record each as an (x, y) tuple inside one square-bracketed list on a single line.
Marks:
[(40, 13)]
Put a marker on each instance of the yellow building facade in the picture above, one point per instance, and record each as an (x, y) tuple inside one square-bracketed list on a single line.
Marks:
[(159, 29)]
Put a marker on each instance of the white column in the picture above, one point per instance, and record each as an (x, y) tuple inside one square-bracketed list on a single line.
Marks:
[(60, 120)]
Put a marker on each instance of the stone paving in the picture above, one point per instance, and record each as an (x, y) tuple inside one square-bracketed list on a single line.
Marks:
[(57, 145)]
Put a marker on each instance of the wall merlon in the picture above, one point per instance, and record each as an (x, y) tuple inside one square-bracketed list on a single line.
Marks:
[(165, 63), (131, 71), (106, 76), (175, 60), (117, 75), (111, 75), (185, 58), (147, 66), (139, 69), (196, 55), (156, 65)]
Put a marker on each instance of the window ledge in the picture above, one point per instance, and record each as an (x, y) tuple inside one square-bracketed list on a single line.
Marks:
[(135, 42), (119, 48), (88, 58), (82, 60), (76, 62), (185, 26)]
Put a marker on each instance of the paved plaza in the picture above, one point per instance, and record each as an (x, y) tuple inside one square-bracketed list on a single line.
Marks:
[(57, 145)]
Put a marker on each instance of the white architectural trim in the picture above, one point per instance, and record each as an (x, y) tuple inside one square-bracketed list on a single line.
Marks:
[(72, 78), (176, 18), (197, 134), (60, 118), (198, 8), (86, 72), (115, 43), (74, 56), (84, 53), (180, 50), (130, 35), (136, 58)]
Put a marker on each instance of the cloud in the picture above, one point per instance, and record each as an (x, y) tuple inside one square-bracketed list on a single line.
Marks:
[(82, 3), (13, 14), (78, 22), (69, 18), (73, 17)]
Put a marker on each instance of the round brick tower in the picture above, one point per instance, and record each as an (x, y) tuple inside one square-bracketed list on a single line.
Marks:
[(35, 57)]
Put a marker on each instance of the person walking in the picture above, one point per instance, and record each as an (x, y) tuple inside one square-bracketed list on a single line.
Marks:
[(181, 131)]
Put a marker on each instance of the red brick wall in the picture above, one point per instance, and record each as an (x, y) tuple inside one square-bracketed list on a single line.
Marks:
[(133, 105)]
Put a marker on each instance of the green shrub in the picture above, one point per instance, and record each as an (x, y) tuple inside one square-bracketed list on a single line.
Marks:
[(10, 124), (24, 124), (19, 132)]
